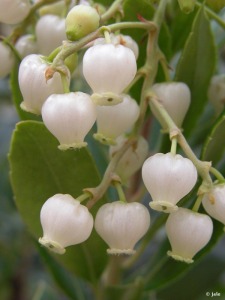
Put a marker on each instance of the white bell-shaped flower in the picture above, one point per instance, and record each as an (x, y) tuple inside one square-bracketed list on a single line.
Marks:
[(188, 232), (108, 69), (168, 178), (121, 225), (26, 45), (14, 11), (69, 117), (133, 158), (175, 97), (33, 84), (65, 222), (115, 120), (50, 33), (7, 60), (214, 203), (120, 39)]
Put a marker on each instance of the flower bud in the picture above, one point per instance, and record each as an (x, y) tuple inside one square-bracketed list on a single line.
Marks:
[(14, 11), (214, 203), (121, 225), (122, 116), (50, 33), (7, 60), (168, 178), (65, 222), (33, 84), (132, 159), (175, 97), (80, 21), (188, 232), (69, 117), (26, 45), (216, 5), (187, 6), (109, 69)]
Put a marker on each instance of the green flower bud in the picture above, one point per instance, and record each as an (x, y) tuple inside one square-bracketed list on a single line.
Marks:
[(80, 21), (187, 6), (216, 5)]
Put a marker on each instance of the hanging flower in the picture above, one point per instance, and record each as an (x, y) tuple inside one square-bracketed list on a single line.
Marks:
[(7, 60), (121, 225), (50, 33), (33, 84), (108, 69), (69, 117), (65, 222), (214, 203), (188, 232), (115, 120), (168, 178), (176, 99), (14, 11)]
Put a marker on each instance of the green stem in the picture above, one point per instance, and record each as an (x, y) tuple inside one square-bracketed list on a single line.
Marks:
[(160, 13), (38, 5), (111, 11), (201, 166), (174, 146), (152, 61), (120, 191), (150, 69), (69, 48), (197, 203), (53, 54), (109, 175), (217, 174), (110, 277), (7, 42), (107, 37), (140, 73), (66, 87), (83, 197), (156, 268), (212, 15), (163, 62)]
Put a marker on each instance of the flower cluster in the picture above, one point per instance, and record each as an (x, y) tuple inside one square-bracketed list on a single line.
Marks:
[(109, 67)]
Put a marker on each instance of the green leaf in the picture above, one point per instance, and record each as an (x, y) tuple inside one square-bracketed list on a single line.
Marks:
[(213, 148), (180, 29), (132, 9), (70, 285), (38, 171), (17, 96), (126, 292), (196, 66), (214, 267)]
